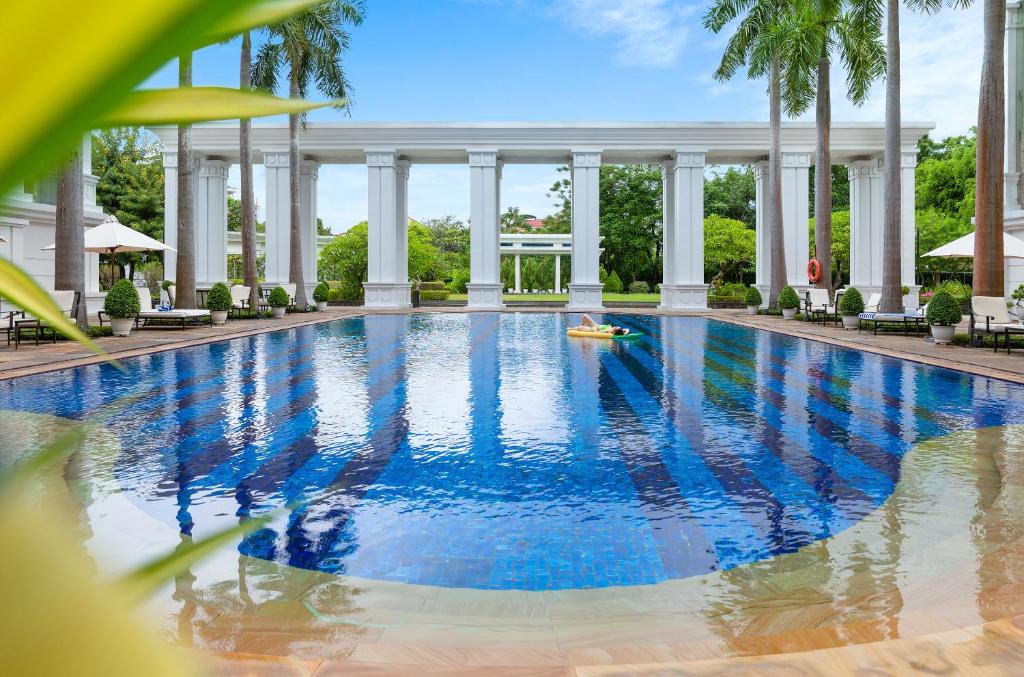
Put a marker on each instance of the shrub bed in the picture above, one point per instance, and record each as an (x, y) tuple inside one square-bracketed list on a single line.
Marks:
[(639, 287), (433, 294)]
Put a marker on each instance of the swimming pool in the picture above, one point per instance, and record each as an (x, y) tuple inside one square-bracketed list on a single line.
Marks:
[(490, 451)]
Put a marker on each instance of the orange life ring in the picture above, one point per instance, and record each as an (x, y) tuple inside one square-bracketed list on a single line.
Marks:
[(814, 270)]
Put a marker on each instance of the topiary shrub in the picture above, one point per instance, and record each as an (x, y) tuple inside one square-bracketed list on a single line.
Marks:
[(852, 302), (278, 298), (433, 294), (165, 284), (612, 284), (1018, 295), (602, 274), (657, 289), (639, 287), (788, 300), (122, 300), (320, 292), (944, 310), (752, 297), (335, 295), (219, 297)]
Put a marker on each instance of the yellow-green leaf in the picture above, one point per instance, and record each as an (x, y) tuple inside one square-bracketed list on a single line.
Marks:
[(57, 84), (17, 287), (197, 104), (264, 14)]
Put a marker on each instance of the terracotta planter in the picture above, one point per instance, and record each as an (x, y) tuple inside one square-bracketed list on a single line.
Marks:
[(943, 333), (321, 305), (121, 326), (788, 313), (851, 322), (752, 310), (218, 317), (278, 311)]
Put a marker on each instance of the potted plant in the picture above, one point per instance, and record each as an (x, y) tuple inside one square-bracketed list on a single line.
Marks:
[(1018, 301), (320, 295), (218, 302), (753, 300), (850, 307), (122, 307), (789, 302), (278, 301), (943, 316)]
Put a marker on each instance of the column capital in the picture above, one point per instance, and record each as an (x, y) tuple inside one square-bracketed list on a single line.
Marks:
[(170, 159), (687, 159), (402, 168), (310, 168), (483, 157), (795, 160), (864, 169), (213, 168), (276, 158), (586, 158), (908, 160), (381, 158), (760, 170)]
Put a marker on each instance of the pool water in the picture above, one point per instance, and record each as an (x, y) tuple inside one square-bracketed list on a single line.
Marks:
[(490, 451)]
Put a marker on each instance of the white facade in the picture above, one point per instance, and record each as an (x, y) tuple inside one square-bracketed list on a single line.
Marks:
[(684, 150), (1013, 221)]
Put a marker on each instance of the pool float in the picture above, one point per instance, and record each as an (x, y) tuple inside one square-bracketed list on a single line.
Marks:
[(600, 334)]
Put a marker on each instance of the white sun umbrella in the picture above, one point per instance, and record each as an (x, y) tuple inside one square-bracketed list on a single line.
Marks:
[(113, 237), (963, 248), (3, 239)]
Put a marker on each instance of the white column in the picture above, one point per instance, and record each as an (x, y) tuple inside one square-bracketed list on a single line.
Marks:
[(385, 288), (484, 227), (211, 222), (278, 202), (309, 173), (519, 284), (585, 288), (1014, 105), (763, 243), (866, 226), (683, 281), (558, 274), (170, 212), (402, 219), (796, 207), (908, 228)]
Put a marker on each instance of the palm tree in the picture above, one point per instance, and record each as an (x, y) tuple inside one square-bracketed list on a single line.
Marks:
[(762, 41), (311, 45), (846, 30), (185, 275), (250, 272), (988, 204), (69, 238)]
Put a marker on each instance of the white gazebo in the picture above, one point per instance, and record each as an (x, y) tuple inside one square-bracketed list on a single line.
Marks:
[(518, 245), (683, 150)]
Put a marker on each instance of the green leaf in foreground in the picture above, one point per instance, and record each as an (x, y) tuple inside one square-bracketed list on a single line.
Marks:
[(199, 104)]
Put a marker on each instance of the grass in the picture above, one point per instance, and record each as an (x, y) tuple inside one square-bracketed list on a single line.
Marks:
[(528, 298)]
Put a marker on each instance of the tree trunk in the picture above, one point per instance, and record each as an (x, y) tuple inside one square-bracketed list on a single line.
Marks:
[(988, 201), (779, 277), (892, 283), (295, 275), (69, 238), (823, 175), (185, 275), (250, 271)]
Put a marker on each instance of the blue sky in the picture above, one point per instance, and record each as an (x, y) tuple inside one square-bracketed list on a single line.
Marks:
[(575, 60)]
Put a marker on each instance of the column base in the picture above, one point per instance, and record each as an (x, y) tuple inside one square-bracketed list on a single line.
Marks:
[(485, 295), (585, 296), (763, 289), (388, 294), (684, 297)]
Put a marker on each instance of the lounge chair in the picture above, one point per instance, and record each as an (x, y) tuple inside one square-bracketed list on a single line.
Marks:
[(819, 302), (871, 305), (991, 315), (240, 300), (916, 318), (147, 313), (67, 301)]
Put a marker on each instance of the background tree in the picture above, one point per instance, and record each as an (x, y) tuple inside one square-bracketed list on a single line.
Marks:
[(732, 194), (514, 221), (729, 248), (235, 217), (631, 221), (344, 259), (69, 235), (310, 46)]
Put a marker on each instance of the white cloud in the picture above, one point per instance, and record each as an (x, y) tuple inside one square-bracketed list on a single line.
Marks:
[(646, 32)]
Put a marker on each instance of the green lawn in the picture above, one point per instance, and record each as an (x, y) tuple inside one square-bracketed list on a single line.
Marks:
[(528, 298)]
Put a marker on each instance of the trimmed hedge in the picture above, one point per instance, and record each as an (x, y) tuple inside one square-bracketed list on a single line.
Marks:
[(432, 286), (639, 287), (433, 294), (852, 302), (753, 297), (320, 292), (122, 300), (335, 295), (278, 298), (788, 300), (613, 285), (944, 310), (219, 297)]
